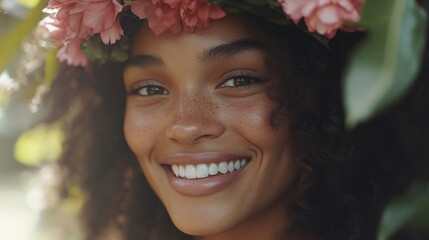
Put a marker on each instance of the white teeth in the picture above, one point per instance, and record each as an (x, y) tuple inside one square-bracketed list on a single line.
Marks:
[(243, 162), (182, 172), (231, 167), (213, 169), (223, 167), (175, 169), (201, 170), (237, 165), (190, 172)]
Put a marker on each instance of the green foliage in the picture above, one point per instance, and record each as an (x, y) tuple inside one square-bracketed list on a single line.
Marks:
[(98, 52), (30, 3), (11, 43), (410, 211), (51, 65), (386, 63)]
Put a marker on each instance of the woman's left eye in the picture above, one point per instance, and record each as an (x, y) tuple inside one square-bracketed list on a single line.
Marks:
[(239, 81), (152, 90)]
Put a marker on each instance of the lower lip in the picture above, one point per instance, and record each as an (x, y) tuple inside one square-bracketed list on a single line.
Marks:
[(203, 186)]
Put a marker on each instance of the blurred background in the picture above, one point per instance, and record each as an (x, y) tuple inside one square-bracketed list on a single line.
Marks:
[(29, 203)]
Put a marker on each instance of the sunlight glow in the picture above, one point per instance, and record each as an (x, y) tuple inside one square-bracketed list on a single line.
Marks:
[(6, 82), (17, 221)]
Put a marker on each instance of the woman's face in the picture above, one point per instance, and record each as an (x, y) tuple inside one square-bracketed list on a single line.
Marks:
[(197, 119)]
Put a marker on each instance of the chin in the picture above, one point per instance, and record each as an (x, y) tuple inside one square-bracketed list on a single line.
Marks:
[(206, 216), (206, 226)]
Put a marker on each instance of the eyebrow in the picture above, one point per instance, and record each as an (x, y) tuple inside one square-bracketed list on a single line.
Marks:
[(144, 61), (230, 49), (218, 52)]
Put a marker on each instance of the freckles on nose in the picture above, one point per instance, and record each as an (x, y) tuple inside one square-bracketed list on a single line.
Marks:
[(198, 105), (194, 118)]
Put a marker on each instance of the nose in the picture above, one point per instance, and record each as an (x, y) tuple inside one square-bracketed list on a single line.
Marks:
[(194, 119)]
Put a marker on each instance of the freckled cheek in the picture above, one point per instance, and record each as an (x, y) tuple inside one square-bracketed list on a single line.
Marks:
[(141, 131), (251, 116)]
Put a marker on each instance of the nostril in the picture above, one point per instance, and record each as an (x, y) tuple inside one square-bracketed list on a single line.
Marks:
[(207, 136), (191, 129)]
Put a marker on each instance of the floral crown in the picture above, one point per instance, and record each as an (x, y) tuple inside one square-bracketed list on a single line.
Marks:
[(93, 30)]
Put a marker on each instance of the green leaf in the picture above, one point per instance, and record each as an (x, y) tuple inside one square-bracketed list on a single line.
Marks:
[(51, 65), (30, 3), (411, 211), (384, 66), (118, 54), (11, 43), (120, 51), (96, 50)]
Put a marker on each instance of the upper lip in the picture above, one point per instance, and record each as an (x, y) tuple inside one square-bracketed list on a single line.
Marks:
[(201, 157)]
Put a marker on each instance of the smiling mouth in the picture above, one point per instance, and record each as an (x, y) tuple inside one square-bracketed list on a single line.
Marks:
[(190, 171)]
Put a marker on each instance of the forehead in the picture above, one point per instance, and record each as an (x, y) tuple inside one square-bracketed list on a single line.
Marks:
[(228, 29)]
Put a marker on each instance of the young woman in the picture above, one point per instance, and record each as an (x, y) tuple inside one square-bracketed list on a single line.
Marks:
[(232, 131)]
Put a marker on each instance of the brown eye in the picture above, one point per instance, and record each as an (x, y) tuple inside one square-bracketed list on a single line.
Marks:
[(239, 81), (152, 90)]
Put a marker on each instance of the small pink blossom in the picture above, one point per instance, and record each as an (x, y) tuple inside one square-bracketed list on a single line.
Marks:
[(323, 16), (176, 15), (72, 54), (71, 21), (82, 19), (54, 28), (101, 17)]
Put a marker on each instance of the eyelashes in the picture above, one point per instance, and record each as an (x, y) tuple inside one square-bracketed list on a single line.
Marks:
[(147, 88), (241, 77), (235, 80), (238, 82)]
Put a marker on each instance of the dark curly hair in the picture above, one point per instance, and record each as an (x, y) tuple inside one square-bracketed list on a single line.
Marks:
[(345, 177)]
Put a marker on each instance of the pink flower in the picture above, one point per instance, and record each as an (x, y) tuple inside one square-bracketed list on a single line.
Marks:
[(101, 17), (71, 21), (72, 54), (323, 16), (176, 15), (54, 28), (81, 19)]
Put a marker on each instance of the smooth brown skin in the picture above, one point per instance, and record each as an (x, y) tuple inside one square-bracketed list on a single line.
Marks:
[(201, 112)]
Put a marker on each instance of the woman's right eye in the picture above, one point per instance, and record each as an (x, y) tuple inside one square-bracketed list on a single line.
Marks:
[(149, 90)]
